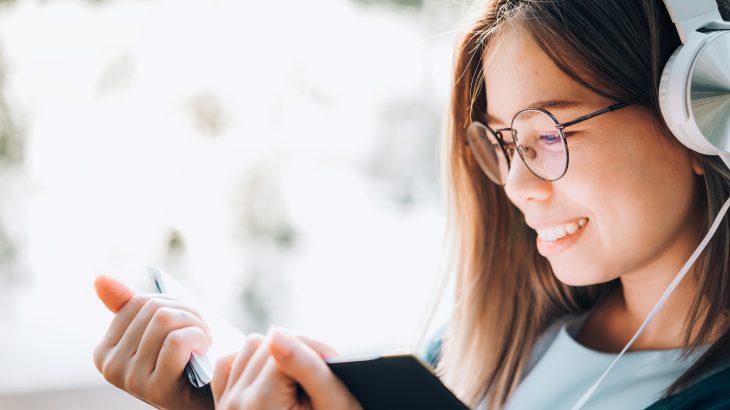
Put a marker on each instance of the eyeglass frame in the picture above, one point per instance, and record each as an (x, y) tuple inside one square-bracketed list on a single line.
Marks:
[(560, 126)]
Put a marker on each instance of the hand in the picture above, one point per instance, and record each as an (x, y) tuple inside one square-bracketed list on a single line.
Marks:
[(279, 372), (148, 344)]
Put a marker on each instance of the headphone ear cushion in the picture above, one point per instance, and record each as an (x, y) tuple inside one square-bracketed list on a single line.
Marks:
[(673, 95)]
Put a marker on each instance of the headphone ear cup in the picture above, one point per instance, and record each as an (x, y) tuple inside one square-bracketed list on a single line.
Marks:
[(694, 93)]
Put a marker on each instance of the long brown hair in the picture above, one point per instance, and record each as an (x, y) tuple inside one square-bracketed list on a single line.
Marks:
[(506, 293)]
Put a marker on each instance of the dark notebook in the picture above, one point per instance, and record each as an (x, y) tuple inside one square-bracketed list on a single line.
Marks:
[(400, 382)]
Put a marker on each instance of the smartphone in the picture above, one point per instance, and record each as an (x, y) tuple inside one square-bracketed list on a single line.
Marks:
[(199, 370), (226, 337), (399, 382)]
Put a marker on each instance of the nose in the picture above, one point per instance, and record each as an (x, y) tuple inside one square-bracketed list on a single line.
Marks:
[(523, 187)]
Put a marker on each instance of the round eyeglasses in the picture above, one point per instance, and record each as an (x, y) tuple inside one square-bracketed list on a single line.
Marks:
[(535, 134)]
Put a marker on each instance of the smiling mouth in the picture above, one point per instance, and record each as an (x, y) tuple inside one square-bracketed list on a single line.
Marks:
[(561, 231)]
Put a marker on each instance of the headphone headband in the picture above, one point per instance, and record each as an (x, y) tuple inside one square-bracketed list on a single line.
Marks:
[(689, 15)]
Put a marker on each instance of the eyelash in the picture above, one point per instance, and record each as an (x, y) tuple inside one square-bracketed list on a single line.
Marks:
[(557, 137), (510, 146)]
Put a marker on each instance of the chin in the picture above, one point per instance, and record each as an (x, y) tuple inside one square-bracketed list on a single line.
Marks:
[(574, 277)]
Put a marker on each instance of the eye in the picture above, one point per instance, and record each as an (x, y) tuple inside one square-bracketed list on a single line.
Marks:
[(550, 138)]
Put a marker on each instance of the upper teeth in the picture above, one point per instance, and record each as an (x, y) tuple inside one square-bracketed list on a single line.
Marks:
[(561, 231)]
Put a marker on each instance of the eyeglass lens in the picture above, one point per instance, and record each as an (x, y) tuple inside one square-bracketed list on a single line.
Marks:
[(535, 136), (488, 152)]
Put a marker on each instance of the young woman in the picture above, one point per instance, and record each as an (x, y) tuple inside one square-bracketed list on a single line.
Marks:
[(572, 208)]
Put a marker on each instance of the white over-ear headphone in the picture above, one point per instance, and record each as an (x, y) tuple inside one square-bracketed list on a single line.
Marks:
[(694, 93), (694, 97)]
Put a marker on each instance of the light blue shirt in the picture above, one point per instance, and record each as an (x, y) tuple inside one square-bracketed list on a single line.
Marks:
[(561, 370)]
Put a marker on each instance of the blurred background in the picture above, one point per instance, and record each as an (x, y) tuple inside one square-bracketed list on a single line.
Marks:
[(280, 158)]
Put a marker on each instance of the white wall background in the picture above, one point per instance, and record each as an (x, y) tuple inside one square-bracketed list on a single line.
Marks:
[(278, 157)]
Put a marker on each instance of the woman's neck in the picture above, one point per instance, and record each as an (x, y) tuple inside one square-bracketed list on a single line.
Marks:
[(616, 319)]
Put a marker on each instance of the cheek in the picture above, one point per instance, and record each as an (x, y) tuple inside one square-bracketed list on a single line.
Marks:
[(638, 198), (637, 178)]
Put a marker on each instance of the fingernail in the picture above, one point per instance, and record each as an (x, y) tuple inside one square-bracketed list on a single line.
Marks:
[(282, 343)]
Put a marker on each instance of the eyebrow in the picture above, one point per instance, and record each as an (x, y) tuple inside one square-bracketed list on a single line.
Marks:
[(545, 105)]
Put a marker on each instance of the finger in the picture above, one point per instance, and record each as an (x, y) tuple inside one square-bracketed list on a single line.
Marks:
[(255, 364), (124, 317), (113, 293), (252, 344), (300, 362), (221, 374), (176, 351), (130, 341), (274, 388), (164, 321)]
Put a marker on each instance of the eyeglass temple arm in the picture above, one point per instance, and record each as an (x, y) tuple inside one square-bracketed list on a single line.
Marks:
[(613, 107)]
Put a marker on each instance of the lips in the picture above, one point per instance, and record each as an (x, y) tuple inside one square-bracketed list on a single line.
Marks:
[(552, 231), (559, 231), (550, 245)]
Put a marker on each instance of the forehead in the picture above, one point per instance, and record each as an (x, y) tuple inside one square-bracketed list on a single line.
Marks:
[(518, 74)]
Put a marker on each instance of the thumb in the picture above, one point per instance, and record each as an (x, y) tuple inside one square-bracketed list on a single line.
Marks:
[(324, 350), (303, 364), (221, 375), (113, 293)]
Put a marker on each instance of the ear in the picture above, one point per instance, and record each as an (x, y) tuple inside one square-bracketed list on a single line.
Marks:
[(696, 162)]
